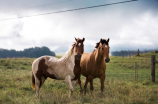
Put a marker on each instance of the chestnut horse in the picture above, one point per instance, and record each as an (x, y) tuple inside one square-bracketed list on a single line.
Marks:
[(93, 65), (60, 69)]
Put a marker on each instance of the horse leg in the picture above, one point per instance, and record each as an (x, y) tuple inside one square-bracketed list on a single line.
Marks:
[(37, 86), (73, 83), (43, 78), (85, 85), (39, 81), (79, 82), (91, 86), (102, 79), (68, 81)]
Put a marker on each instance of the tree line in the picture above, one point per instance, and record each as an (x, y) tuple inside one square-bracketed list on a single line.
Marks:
[(128, 52), (29, 52)]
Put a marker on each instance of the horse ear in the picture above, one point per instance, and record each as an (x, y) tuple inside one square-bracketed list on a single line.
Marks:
[(108, 40), (101, 40), (75, 39), (100, 43), (97, 44), (83, 39)]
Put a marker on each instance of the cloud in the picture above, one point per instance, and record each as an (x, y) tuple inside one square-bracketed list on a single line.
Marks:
[(129, 26)]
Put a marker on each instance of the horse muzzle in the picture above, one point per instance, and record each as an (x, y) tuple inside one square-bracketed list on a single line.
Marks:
[(78, 56), (107, 60)]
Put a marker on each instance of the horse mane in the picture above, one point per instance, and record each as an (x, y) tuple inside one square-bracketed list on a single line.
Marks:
[(103, 42), (96, 54), (68, 54)]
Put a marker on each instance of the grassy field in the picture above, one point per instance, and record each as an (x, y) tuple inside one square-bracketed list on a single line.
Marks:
[(121, 87)]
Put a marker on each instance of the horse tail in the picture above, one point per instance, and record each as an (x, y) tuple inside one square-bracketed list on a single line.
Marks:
[(33, 81)]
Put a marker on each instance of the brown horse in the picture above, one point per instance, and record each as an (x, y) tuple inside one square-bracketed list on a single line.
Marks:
[(60, 69), (93, 64), (77, 69)]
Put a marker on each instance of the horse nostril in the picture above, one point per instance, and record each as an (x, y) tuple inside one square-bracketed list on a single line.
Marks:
[(107, 60), (78, 56)]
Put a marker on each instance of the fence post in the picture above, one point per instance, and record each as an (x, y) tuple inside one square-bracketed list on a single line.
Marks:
[(138, 52), (153, 68)]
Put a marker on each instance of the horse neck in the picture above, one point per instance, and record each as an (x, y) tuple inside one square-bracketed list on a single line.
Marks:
[(70, 55), (99, 58)]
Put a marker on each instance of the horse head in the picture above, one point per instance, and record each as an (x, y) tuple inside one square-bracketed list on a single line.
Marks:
[(103, 48), (79, 47)]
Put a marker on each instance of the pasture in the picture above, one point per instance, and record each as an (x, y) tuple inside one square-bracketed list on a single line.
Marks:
[(121, 87)]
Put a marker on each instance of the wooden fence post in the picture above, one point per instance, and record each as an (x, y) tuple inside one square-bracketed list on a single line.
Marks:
[(153, 68), (138, 52)]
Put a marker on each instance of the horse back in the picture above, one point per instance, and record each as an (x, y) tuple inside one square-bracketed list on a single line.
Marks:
[(40, 67)]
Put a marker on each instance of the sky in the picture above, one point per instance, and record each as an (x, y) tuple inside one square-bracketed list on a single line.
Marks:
[(130, 26)]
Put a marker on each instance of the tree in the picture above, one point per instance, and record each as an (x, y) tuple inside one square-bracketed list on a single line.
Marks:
[(29, 52)]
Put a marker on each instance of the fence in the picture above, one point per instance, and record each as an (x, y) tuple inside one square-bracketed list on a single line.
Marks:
[(153, 61), (119, 68), (128, 70)]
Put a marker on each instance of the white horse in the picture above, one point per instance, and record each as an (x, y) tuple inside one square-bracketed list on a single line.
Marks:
[(60, 69)]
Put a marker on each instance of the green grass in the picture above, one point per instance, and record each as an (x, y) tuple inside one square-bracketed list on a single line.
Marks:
[(120, 84)]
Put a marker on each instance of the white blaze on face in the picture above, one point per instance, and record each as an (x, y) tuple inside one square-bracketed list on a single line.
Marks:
[(79, 44), (106, 46)]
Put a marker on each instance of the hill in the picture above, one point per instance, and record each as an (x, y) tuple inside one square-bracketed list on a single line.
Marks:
[(129, 52), (29, 52)]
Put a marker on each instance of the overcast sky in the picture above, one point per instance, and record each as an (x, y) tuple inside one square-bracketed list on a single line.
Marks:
[(129, 26)]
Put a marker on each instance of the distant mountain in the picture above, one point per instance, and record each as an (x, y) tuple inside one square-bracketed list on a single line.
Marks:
[(129, 52), (88, 48), (63, 49)]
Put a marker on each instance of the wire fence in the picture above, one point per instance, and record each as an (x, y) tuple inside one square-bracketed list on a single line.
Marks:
[(122, 69), (130, 71)]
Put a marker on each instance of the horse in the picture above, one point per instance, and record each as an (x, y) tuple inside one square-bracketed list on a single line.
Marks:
[(59, 69), (93, 65)]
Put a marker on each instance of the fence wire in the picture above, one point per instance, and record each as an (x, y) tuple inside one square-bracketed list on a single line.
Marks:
[(130, 71)]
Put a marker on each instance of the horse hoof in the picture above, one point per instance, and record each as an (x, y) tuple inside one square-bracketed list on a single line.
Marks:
[(81, 91), (85, 94)]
